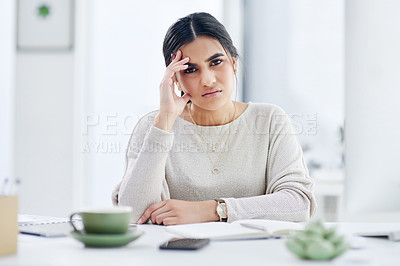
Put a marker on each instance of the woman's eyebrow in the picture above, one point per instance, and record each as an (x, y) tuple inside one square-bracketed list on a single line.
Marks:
[(214, 56), (207, 60)]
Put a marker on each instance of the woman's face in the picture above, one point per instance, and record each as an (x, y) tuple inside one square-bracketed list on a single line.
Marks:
[(209, 76)]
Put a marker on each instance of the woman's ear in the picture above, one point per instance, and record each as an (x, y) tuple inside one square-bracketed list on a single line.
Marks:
[(234, 64)]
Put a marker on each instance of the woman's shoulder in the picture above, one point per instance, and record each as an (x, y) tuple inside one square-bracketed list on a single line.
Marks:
[(145, 121), (266, 117), (149, 117), (265, 109)]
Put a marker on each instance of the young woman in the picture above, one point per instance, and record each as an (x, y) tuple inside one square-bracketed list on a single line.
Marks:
[(203, 157)]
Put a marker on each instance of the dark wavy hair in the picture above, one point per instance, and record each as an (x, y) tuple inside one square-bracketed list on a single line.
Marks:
[(186, 29)]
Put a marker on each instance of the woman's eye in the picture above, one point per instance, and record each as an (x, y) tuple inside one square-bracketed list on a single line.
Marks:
[(189, 70), (216, 62)]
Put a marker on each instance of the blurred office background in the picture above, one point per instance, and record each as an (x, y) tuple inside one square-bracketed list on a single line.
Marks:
[(68, 108)]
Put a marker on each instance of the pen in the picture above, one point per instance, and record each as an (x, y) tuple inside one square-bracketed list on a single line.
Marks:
[(254, 226), (15, 187), (4, 188)]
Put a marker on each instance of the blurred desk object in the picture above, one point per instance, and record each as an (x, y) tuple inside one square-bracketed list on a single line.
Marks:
[(8, 224), (329, 189), (144, 251)]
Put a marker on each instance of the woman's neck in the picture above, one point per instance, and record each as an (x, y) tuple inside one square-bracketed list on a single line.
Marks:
[(218, 117)]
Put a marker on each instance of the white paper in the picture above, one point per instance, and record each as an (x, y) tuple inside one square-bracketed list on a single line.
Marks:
[(222, 231)]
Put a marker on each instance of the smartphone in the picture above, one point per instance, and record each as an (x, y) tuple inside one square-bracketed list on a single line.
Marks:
[(185, 243)]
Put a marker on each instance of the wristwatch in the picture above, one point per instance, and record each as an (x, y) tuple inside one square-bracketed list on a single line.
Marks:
[(222, 210)]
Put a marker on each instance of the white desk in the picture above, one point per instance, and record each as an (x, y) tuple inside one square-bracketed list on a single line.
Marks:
[(36, 251)]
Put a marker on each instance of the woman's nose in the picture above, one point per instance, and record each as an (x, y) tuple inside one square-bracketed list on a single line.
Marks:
[(207, 78)]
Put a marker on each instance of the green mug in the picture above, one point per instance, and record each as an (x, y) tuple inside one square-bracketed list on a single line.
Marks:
[(113, 220)]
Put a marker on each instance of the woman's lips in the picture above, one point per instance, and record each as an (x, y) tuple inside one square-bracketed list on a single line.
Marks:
[(212, 94)]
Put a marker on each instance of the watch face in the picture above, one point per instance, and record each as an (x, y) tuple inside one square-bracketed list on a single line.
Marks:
[(221, 210)]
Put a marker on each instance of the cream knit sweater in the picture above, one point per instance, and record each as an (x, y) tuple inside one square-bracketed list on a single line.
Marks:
[(262, 173)]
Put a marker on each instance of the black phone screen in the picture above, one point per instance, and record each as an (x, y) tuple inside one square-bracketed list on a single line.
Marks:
[(185, 243)]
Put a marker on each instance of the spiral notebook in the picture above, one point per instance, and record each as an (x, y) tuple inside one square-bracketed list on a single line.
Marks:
[(44, 226)]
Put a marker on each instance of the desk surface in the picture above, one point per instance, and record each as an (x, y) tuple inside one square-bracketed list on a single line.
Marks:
[(144, 251)]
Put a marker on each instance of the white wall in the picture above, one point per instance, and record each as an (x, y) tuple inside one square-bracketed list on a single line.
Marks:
[(294, 56), (7, 58), (234, 24), (43, 132), (372, 110)]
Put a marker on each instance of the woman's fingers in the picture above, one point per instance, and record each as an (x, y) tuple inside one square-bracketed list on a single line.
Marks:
[(176, 57), (170, 72), (147, 213), (178, 60), (170, 221), (169, 102), (172, 211), (176, 65), (173, 69), (157, 213), (159, 219)]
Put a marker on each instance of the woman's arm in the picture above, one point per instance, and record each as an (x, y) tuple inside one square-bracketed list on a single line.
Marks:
[(289, 194), (144, 180)]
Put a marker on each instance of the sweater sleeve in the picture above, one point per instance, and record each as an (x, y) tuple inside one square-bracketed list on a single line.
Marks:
[(144, 180), (288, 195)]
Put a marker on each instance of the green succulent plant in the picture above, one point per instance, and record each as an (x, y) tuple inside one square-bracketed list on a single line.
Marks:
[(317, 242), (43, 11)]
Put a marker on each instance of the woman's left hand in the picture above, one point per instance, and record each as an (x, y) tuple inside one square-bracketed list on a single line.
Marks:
[(171, 212)]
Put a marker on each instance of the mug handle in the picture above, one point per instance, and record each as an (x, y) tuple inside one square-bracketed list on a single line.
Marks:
[(72, 222)]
